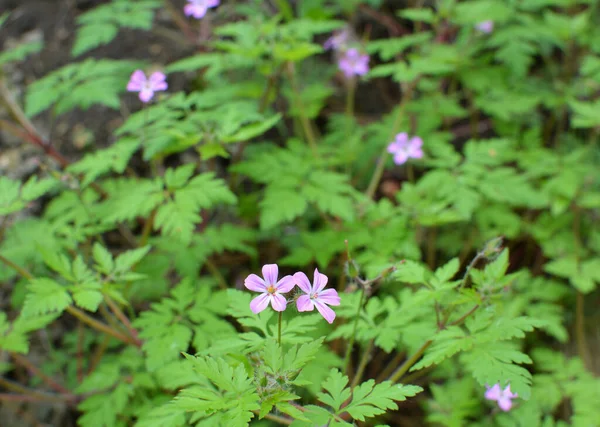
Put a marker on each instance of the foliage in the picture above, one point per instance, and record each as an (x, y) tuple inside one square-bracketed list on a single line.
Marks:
[(474, 263)]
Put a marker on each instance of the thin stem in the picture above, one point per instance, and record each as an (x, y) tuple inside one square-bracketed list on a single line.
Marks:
[(147, 230), (464, 316), (580, 337), (30, 133), (101, 327), (210, 265), (350, 98), (26, 274), (390, 367), (378, 173), (410, 362), (277, 418), (181, 22), (304, 121), (124, 320), (10, 397), (279, 328), (97, 357), (364, 360), (431, 238), (38, 373), (353, 336)]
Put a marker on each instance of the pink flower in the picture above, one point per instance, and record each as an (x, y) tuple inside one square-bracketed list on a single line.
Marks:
[(198, 8), (271, 289), (503, 397), (337, 40), (353, 63), (146, 87), (316, 296), (403, 148), (485, 26)]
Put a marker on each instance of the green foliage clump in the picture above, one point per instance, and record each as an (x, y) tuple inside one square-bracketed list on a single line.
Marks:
[(468, 259)]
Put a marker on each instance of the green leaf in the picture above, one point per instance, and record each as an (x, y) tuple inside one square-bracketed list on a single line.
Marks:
[(127, 260), (424, 14), (369, 400), (234, 396), (447, 271), (101, 24), (337, 393), (103, 258), (252, 130), (45, 296)]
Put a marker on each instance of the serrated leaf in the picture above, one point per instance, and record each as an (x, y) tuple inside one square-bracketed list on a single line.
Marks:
[(45, 296)]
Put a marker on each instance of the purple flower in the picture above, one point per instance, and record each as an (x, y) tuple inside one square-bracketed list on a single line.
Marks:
[(485, 26), (198, 8), (337, 40), (146, 87), (316, 296), (270, 289), (403, 148), (352, 62), (503, 397)]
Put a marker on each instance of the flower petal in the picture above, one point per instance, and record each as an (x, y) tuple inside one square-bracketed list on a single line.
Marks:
[(259, 303), (508, 393), (325, 311), (157, 81), (493, 393), (319, 282), (393, 147), (329, 296), (285, 285), (270, 273), (303, 282), (212, 3), (255, 283), (195, 10), (146, 94), (505, 403), (400, 158), (136, 81), (304, 303), (402, 138), (278, 302)]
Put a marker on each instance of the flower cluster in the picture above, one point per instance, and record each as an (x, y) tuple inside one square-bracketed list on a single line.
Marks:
[(350, 60), (138, 82), (404, 148), (503, 397), (271, 289), (198, 8)]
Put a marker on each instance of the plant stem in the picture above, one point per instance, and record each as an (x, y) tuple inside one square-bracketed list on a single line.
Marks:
[(306, 125), (279, 328), (210, 265), (350, 98), (24, 273), (277, 418), (98, 353), (124, 320), (409, 362), (147, 230), (101, 327), (378, 173), (353, 336), (364, 360), (181, 23), (464, 316), (580, 337), (38, 373)]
